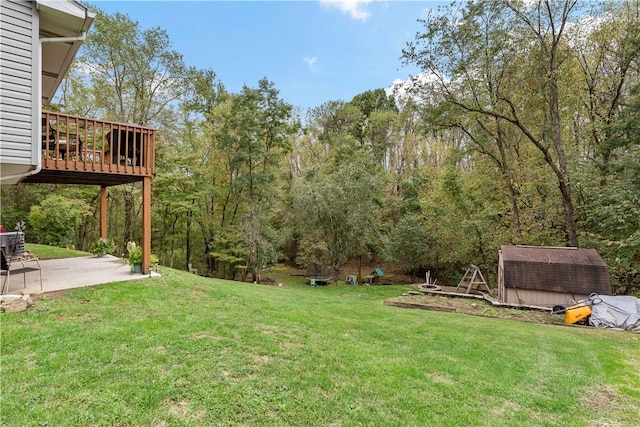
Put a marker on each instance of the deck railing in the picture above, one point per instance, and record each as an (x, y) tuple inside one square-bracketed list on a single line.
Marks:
[(72, 143)]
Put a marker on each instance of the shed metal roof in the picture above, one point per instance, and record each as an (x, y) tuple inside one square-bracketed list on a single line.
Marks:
[(552, 255), (568, 270)]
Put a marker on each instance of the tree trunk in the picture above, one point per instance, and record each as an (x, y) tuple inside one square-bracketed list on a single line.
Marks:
[(563, 175), (246, 270), (509, 179), (173, 243), (128, 215), (188, 241)]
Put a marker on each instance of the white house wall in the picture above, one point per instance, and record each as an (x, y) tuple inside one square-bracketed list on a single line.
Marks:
[(19, 89)]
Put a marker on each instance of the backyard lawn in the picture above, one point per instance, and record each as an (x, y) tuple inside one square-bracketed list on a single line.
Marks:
[(51, 252), (182, 350)]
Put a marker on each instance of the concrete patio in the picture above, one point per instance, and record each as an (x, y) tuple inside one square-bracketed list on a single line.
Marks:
[(69, 273)]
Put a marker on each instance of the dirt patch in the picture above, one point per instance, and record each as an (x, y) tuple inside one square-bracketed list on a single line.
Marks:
[(261, 358), (53, 295), (183, 410), (439, 378), (76, 316), (599, 398), (477, 307)]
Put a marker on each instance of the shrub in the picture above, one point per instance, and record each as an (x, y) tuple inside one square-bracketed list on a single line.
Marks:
[(135, 253), (103, 246), (53, 221)]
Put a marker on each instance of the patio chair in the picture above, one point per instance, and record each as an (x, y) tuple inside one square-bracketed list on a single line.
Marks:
[(56, 145), (12, 248), (4, 271), (125, 147)]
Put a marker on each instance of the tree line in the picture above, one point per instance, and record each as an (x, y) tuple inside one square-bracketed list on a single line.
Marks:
[(523, 128)]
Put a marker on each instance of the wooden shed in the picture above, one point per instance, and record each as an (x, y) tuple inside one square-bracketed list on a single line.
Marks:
[(548, 276)]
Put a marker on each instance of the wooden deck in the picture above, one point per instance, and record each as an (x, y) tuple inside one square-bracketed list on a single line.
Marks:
[(80, 150)]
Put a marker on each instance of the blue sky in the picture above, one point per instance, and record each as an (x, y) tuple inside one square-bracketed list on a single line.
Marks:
[(313, 51)]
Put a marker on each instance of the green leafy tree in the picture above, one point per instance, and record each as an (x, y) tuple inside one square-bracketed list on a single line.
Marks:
[(182, 185), (371, 103), (478, 54), (128, 74), (54, 220), (17, 201), (410, 244), (134, 74), (261, 242), (338, 213), (607, 52), (613, 223), (246, 140), (333, 129)]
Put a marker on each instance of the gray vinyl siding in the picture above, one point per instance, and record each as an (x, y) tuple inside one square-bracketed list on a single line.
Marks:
[(19, 75)]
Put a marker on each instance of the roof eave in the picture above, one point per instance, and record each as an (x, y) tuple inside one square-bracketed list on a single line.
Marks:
[(60, 19)]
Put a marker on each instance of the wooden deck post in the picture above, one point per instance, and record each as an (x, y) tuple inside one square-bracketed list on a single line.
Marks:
[(103, 212), (146, 224)]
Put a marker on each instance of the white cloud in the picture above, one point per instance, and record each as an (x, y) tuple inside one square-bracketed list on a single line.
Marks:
[(419, 88), (355, 8), (310, 61)]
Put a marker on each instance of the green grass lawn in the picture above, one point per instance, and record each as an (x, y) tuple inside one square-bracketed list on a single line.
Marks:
[(182, 350), (51, 252)]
